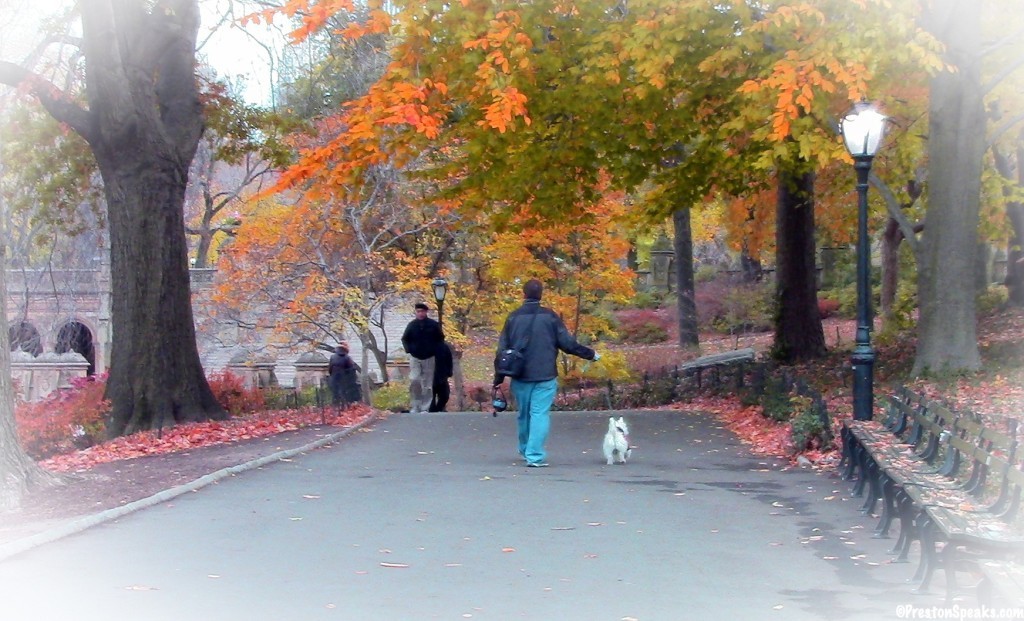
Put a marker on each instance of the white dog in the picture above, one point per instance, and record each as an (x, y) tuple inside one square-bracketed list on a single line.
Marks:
[(616, 441)]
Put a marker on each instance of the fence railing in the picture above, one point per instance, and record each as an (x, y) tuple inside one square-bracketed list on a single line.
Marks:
[(751, 381)]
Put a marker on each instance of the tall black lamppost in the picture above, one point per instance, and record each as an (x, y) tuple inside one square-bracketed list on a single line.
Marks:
[(440, 286), (862, 129)]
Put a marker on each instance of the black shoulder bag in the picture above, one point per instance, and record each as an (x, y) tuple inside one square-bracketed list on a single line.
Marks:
[(511, 362)]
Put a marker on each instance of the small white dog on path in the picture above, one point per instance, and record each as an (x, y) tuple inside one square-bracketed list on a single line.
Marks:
[(616, 441)]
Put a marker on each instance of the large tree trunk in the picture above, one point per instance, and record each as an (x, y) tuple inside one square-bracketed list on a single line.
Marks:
[(891, 238), (798, 332), (156, 378), (144, 100), (1015, 254), (947, 331), (143, 123), (18, 472), (682, 243), (1015, 214)]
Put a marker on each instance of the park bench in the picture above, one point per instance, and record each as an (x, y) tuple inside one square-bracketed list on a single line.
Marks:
[(856, 433), (868, 445), (950, 479), (974, 524), (1003, 578), (716, 362)]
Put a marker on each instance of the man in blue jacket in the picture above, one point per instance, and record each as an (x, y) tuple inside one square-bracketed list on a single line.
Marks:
[(539, 333)]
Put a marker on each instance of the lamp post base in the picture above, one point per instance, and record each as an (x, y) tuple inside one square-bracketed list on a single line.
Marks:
[(863, 382)]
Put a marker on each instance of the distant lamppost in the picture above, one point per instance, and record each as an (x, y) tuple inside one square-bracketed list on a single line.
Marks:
[(440, 286), (862, 129)]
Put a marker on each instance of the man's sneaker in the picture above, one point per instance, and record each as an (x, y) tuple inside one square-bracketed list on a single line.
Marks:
[(537, 464)]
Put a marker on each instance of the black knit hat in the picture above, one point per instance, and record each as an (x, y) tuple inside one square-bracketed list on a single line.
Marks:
[(533, 289)]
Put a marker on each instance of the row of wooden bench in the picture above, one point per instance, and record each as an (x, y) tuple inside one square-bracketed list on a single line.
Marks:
[(954, 484)]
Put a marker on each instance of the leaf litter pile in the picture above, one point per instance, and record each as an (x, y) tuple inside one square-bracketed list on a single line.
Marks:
[(197, 435)]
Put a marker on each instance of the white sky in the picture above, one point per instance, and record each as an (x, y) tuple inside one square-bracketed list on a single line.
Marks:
[(239, 58)]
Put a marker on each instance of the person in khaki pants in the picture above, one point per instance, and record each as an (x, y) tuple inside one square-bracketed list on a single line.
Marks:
[(421, 340)]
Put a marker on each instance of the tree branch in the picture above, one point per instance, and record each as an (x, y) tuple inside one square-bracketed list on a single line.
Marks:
[(1007, 71), (1004, 127), (55, 101), (1009, 39), (893, 206)]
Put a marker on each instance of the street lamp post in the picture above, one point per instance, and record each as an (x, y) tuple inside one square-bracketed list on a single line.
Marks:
[(440, 286), (862, 129)]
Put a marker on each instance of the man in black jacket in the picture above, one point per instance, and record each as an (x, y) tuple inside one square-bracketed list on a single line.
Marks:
[(421, 339), (539, 333)]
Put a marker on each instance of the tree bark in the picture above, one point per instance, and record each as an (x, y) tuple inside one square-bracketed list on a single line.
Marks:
[(891, 238), (18, 472), (1015, 254), (682, 243), (143, 123), (751, 267), (947, 330), (1015, 215), (156, 378), (798, 331)]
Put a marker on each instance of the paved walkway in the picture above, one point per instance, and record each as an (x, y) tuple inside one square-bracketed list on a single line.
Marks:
[(431, 517)]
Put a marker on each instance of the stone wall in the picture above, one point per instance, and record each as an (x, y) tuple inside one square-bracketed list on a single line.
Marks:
[(35, 377), (48, 300)]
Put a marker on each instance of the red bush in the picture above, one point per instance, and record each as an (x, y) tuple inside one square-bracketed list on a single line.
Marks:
[(643, 326), (232, 394), (64, 421), (827, 307), (709, 298)]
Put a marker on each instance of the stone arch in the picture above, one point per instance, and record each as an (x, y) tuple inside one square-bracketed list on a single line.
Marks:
[(25, 337), (76, 336)]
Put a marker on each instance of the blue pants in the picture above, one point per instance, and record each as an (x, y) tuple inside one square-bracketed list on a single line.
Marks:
[(534, 399)]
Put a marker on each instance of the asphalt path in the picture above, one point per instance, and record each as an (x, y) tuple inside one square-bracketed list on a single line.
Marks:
[(433, 516)]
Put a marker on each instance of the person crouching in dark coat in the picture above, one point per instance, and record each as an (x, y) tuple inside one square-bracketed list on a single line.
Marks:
[(344, 380)]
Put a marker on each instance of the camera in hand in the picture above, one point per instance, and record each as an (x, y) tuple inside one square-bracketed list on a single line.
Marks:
[(498, 401)]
